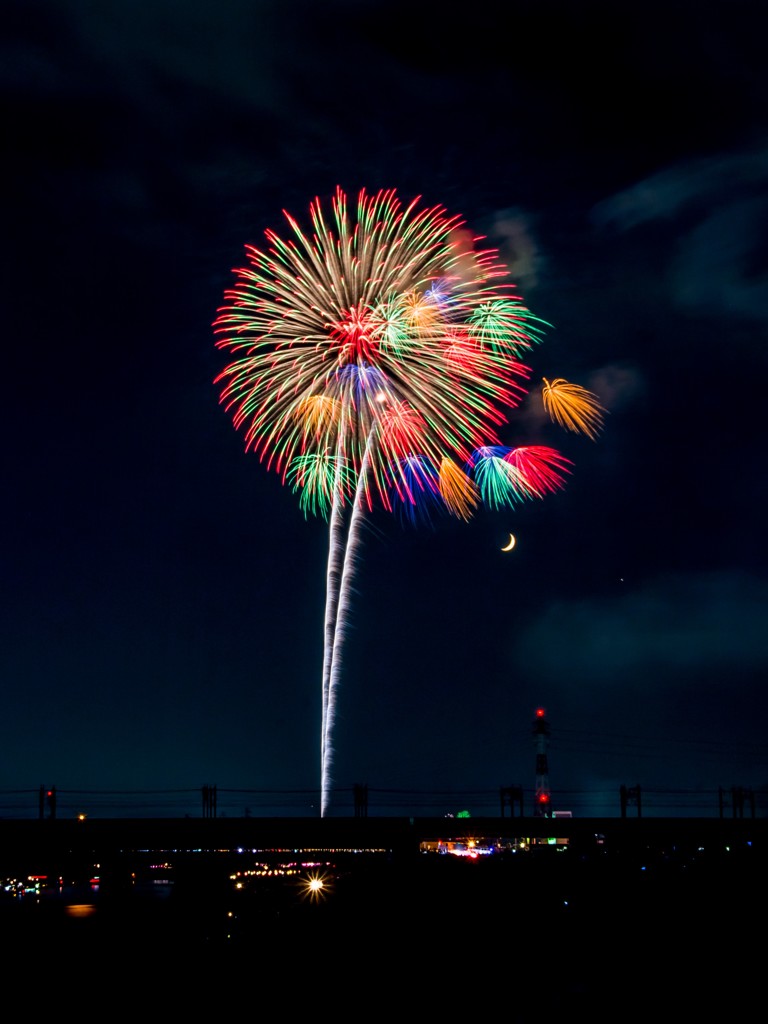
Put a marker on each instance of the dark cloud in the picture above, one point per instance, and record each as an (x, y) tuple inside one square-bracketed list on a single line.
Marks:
[(719, 208), (654, 636)]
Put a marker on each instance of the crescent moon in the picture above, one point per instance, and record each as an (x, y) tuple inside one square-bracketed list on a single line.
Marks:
[(510, 544)]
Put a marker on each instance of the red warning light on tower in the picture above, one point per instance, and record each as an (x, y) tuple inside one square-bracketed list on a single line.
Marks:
[(542, 791)]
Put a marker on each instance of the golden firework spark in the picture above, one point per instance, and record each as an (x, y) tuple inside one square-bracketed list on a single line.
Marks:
[(573, 407)]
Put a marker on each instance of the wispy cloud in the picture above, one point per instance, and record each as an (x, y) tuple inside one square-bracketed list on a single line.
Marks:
[(673, 627), (720, 205)]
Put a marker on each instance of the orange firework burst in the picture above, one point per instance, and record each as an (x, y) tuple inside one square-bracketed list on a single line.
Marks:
[(573, 407)]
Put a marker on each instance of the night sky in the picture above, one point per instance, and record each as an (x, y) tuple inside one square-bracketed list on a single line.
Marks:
[(163, 593)]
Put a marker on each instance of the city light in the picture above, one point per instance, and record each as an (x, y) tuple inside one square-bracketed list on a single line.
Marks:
[(316, 886)]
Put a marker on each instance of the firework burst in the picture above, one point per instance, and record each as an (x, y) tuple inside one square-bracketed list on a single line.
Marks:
[(375, 358)]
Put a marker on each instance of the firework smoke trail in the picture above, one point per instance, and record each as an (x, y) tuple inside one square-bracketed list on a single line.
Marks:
[(342, 621), (333, 582), (342, 601), (374, 358)]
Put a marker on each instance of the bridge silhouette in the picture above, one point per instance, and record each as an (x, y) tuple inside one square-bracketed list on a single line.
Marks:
[(362, 800)]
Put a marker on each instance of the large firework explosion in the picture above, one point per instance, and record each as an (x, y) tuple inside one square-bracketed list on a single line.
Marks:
[(376, 359)]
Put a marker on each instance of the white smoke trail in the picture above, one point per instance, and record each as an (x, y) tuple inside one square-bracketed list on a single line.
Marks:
[(338, 598), (333, 582)]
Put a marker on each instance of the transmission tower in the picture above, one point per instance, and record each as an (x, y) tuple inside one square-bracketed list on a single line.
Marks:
[(542, 801)]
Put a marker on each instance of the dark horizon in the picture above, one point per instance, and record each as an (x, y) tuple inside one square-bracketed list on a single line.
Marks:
[(656, 912)]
